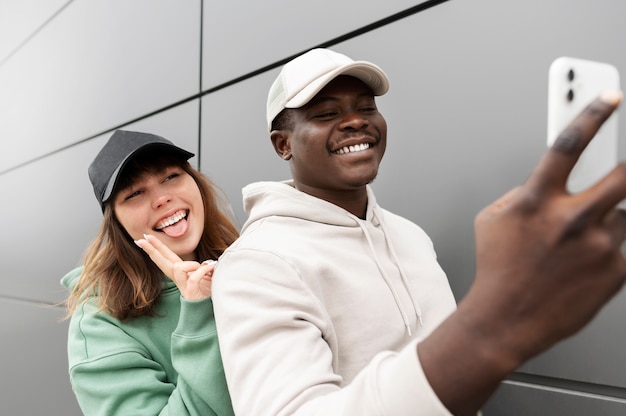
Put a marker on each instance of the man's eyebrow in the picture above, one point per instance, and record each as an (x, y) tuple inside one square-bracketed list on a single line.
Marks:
[(330, 98), (319, 100)]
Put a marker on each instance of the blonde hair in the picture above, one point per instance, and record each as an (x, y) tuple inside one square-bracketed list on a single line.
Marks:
[(119, 275)]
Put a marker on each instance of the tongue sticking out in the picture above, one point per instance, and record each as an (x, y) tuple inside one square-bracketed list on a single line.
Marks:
[(176, 230)]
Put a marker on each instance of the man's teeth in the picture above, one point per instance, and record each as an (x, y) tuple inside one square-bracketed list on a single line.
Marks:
[(352, 149), (172, 220)]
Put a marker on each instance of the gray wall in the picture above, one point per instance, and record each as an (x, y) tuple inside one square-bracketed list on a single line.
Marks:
[(466, 114)]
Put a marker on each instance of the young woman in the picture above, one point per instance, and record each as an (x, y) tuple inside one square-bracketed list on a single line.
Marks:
[(142, 341)]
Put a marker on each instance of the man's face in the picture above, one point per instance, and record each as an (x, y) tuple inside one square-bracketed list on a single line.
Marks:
[(338, 139)]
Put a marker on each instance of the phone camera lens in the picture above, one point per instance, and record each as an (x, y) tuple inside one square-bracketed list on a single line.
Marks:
[(570, 95), (570, 75)]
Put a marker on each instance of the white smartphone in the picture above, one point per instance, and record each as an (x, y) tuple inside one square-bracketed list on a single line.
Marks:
[(573, 83)]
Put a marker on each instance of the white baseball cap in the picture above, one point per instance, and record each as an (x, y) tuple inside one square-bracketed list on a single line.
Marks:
[(304, 76)]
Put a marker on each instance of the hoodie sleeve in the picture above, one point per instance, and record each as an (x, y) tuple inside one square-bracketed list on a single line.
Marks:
[(114, 373), (276, 346)]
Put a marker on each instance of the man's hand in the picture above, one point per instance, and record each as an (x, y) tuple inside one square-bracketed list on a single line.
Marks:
[(546, 262)]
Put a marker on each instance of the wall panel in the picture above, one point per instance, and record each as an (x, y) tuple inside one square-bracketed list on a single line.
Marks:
[(34, 369), (243, 36), (20, 20), (529, 400), (236, 148), (98, 64)]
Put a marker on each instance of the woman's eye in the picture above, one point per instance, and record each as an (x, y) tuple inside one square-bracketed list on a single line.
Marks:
[(171, 176), (132, 195)]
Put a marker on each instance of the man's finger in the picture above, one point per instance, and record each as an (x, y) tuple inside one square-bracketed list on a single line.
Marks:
[(556, 165), (607, 193), (615, 222)]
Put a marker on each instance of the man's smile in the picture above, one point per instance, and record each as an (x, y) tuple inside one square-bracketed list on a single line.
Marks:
[(352, 149)]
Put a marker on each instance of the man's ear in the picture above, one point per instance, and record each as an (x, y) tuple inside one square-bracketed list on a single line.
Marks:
[(280, 140)]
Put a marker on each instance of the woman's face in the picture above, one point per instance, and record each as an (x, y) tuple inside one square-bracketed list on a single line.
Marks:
[(167, 204)]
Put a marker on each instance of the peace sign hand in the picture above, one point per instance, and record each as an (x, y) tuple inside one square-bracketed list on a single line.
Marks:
[(192, 278), (547, 260)]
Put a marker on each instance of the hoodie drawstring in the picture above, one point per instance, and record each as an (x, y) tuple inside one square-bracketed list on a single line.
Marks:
[(386, 278)]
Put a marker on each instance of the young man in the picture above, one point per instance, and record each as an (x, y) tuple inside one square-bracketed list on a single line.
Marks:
[(329, 304)]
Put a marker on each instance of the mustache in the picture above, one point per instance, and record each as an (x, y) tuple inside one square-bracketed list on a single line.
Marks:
[(352, 134)]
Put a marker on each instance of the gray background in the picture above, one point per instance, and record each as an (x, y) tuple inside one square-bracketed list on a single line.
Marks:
[(466, 114)]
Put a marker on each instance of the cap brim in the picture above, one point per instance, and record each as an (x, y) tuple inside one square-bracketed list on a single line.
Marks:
[(175, 150), (370, 74)]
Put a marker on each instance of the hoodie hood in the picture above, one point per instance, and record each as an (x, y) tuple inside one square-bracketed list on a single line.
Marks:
[(263, 199), (71, 278), (282, 199)]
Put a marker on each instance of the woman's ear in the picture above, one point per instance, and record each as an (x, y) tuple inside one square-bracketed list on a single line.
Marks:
[(280, 141)]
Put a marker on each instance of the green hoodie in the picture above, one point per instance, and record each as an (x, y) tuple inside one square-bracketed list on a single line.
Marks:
[(165, 365)]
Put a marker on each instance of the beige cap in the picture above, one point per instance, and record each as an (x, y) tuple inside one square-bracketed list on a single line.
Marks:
[(304, 76)]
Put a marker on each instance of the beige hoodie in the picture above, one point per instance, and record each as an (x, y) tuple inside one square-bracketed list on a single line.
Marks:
[(319, 312)]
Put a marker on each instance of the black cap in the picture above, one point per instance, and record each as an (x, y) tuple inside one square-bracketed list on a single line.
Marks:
[(122, 145)]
